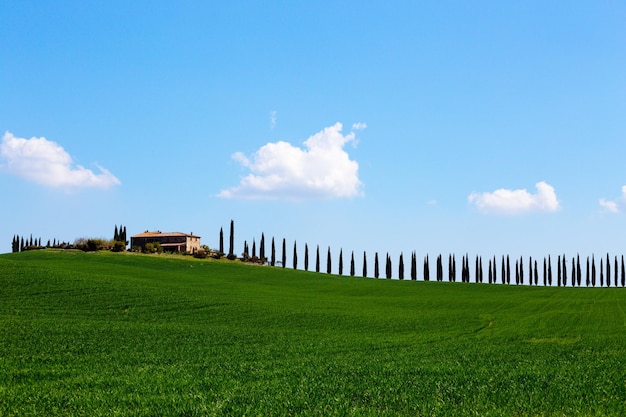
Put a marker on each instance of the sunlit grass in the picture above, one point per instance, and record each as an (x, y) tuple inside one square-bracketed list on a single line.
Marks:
[(120, 334)]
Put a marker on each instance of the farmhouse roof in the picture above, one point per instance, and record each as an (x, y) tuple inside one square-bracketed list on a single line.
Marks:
[(159, 233)]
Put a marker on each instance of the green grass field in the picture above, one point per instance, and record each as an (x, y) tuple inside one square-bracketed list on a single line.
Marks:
[(119, 334)]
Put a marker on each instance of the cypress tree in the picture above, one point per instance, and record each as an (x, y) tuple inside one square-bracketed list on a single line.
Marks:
[(388, 267), (564, 271), (364, 265), (328, 262), (480, 268), (521, 271), (340, 261), (413, 266), (587, 279), (116, 236), (439, 269), (508, 270), (490, 274), (426, 269), (453, 268), (231, 248), (253, 248), (516, 272), (352, 264), (376, 266), (549, 271), (317, 259), (608, 271), (295, 256), (221, 240), (578, 271), (284, 257), (573, 272), (401, 267), (536, 274), (262, 248), (306, 257), (601, 274), (593, 271), (449, 267), (22, 247), (558, 262), (273, 260)]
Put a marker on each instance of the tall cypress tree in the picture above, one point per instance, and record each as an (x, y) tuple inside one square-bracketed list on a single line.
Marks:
[(364, 265), (231, 248), (376, 266), (262, 248), (536, 274), (221, 240), (116, 236), (317, 259), (284, 257), (306, 257), (490, 274), (521, 270), (578, 271), (573, 272), (587, 276), (401, 267), (601, 274), (352, 264), (273, 260), (608, 271), (508, 270), (593, 271), (295, 256), (439, 269), (426, 269), (449, 267), (253, 248), (328, 262), (340, 261), (549, 271), (564, 271), (413, 266), (388, 267)]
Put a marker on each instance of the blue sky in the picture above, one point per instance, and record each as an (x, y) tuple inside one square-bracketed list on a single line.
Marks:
[(481, 127)]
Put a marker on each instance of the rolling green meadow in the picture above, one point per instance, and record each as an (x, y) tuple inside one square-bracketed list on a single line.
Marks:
[(103, 334)]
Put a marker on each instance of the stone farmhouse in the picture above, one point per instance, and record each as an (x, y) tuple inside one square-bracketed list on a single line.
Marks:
[(170, 241)]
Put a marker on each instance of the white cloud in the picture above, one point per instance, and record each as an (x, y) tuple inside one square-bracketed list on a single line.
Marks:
[(359, 126), (47, 163), (614, 206), (323, 169), (505, 201)]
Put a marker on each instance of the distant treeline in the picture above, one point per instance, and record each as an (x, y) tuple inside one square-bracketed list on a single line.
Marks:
[(118, 243), (604, 272)]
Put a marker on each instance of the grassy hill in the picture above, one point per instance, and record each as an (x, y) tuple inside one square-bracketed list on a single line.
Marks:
[(120, 334)]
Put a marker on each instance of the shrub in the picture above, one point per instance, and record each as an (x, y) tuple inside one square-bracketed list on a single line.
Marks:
[(118, 246)]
